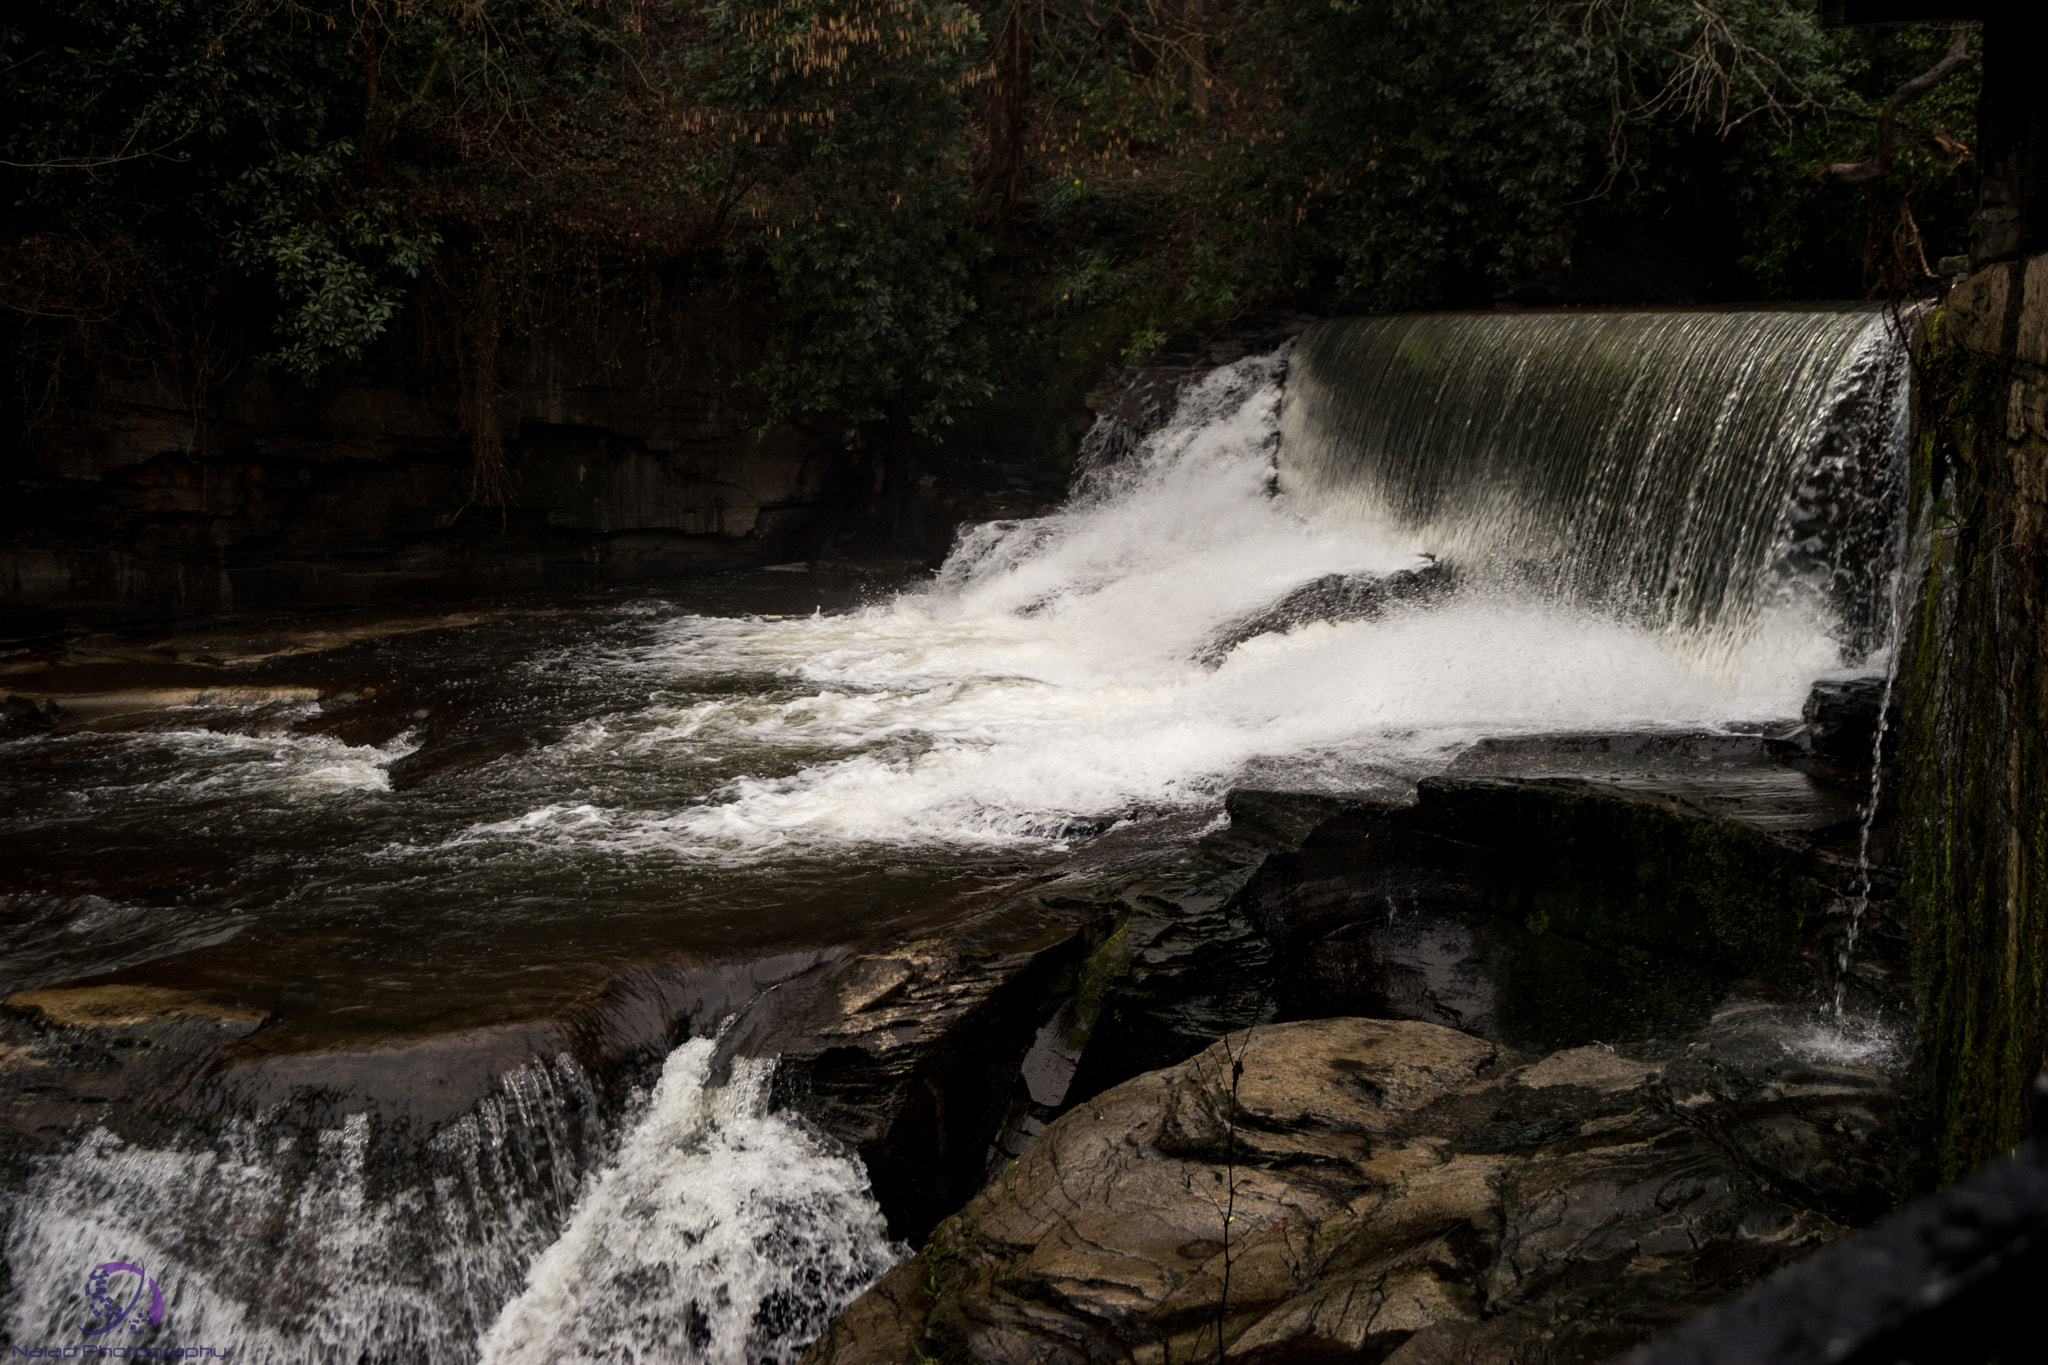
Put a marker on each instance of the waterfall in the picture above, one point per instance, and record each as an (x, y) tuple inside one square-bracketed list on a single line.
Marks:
[(723, 1233), (274, 1241), (714, 1230), (1687, 470), (1649, 520)]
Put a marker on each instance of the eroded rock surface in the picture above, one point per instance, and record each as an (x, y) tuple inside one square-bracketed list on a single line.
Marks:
[(1375, 1190)]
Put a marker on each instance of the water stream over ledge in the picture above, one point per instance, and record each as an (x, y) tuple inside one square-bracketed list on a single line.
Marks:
[(475, 829)]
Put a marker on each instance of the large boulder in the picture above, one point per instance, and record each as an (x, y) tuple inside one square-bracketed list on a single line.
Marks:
[(1372, 1190)]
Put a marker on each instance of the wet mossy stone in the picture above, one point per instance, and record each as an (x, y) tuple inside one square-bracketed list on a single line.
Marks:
[(1622, 868)]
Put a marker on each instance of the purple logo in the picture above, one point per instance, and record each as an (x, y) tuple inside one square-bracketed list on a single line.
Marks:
[(104, 1292)]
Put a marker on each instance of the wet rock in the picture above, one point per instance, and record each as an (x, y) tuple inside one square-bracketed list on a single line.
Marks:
[(914, 1057), (1537, 913), (90, 688), (1540, 914), (1183, 966), (90, 709), (154, 1063), (21, 716), (1767, 779), (131, 1007), (883, 1325), (443, 757), (1554, 917), (1333, 598), (1976, 314), (116, 1054), (1374, 1190), (1842, 718)]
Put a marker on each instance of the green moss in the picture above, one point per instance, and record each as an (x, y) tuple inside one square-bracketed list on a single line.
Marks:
[(1974, 784), (1631, 874), (1105, 968)]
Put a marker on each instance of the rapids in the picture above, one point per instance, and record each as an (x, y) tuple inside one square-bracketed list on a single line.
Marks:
[(718, 768)]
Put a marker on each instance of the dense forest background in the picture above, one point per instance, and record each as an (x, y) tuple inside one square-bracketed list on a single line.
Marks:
[(942, 210)]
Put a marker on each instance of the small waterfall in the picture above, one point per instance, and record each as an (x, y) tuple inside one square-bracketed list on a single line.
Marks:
[(723, 1233), (282, 1243), (1680, 470), (1902, 563), (714, 1231)]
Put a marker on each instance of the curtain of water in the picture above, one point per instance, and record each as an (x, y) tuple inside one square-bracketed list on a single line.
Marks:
[(1687, 470)]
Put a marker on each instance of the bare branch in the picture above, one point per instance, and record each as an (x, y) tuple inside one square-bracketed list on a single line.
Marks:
[(87, 163), (1955, 59)]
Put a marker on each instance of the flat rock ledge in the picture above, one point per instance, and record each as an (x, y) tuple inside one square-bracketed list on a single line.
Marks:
[(1366, 1190)]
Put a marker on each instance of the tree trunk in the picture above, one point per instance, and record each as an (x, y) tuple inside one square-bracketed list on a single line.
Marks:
[(1008, 100)]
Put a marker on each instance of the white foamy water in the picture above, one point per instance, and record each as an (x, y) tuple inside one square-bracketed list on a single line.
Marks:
[(1850, 1041), (266, 760), (1049, 681), (723, 1233)]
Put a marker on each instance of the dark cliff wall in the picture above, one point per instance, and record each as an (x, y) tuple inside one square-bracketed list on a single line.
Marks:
[(1975, 700), (627, 455)]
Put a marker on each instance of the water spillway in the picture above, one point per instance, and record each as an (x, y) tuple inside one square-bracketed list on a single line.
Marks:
[(1683, 469), (1652, 521)]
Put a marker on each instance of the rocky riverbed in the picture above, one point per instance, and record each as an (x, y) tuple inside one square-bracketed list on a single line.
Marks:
[(1369, 1190)]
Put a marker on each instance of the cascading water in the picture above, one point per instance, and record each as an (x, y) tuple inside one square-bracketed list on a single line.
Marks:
[(1688, 470), (280, 1243), (1655, 520), (723, 1233), (716, 1231)]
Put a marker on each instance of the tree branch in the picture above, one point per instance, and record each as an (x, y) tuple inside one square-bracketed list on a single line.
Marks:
[(1955, 59)]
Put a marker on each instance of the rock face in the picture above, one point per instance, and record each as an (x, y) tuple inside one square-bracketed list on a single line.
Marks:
[(1538, 913), (1628, 1123), (1843, 718), (1371, 1190), (1974, 695), (627, 456)]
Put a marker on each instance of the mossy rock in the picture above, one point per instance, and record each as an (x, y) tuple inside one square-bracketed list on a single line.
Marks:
[(1628, 871), (1542, 914)]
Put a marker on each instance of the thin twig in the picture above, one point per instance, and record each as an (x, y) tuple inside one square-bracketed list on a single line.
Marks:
[(1229, 1180)]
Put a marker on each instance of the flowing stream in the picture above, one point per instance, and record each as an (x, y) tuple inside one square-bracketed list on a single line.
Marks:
[(1652, 520)]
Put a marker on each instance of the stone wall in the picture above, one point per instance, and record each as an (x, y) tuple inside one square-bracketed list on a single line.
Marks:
[(1975, 699)]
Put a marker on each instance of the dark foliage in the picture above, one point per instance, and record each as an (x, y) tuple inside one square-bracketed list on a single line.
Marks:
[(894, 182)]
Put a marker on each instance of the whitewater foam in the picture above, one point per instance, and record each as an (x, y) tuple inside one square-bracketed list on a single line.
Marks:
[(1049, 682), (724, 1234)]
